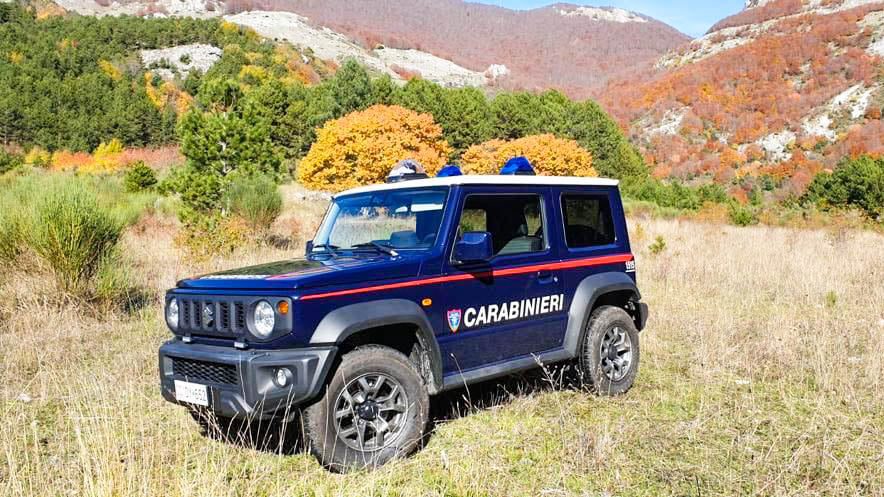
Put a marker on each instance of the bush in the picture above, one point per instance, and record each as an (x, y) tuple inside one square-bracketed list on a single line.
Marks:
[(856, 183), (741, 215), (673, 195), (9, 161), (211, 235), (658, 246), (362, 147), (72, 234), (549, 155), (256, 199), (139, 177)]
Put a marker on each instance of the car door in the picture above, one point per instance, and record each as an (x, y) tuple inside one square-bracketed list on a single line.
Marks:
[(512, 305)]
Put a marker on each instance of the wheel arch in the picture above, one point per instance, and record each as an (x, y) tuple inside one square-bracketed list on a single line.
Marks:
[(370, 322), (611, 288)]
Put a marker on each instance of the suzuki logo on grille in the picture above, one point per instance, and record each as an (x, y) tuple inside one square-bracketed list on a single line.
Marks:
[(208, 314)]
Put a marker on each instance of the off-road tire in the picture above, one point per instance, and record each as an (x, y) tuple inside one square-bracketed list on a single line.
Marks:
[(608, 320), (321, 429)]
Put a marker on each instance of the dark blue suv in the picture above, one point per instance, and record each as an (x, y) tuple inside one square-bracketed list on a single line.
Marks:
[(408, 290)]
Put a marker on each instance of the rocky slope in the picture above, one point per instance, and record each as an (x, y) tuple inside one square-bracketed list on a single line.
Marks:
[(300, 31), (576, 49), (767, 98), (455, 43)]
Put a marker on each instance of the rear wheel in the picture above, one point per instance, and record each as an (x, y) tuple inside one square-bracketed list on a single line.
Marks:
[(609, 352), (374, 409)]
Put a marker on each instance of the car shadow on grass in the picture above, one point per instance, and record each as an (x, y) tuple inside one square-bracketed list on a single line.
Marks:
[(464, 401), (286, 438)]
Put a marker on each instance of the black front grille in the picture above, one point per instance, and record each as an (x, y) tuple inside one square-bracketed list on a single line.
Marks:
[(212, 372), (212, 316)]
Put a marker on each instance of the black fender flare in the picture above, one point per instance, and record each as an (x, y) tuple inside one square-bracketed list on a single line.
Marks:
[(588, 291), (344, 322)]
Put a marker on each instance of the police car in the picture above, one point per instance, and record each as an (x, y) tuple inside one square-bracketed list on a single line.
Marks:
[(409, 289)]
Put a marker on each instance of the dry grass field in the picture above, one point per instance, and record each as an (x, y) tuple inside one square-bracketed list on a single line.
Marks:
[(762, 374)]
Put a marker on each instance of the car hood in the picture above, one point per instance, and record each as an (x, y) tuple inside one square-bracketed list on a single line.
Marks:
[(301, 274)]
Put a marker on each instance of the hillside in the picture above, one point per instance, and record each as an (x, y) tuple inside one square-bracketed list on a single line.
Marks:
[(765, 100), (574, 49)]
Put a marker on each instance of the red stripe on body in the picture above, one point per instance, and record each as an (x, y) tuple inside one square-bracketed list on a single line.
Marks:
[(569, 264)]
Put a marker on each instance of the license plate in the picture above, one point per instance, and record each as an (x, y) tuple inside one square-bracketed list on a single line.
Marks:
[(192, 393)]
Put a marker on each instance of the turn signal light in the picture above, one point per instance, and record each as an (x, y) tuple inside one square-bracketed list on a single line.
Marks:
[(283, 307)]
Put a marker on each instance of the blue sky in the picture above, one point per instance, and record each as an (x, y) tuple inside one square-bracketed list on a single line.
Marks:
[(692, 17)]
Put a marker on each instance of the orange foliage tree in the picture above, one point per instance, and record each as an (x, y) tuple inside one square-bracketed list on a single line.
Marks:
[(549, 155), (362, 147)]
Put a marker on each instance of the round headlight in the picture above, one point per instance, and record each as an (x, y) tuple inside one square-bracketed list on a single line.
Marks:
[(172, 313), (265, 319)]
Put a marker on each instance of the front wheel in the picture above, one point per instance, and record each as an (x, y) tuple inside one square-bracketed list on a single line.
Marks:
[(609, 352), (375, 408)]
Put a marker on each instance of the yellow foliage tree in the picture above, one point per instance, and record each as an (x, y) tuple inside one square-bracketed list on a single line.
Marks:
[(549, 155), (362, 147)]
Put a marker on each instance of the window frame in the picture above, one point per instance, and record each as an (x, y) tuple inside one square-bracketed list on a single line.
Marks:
[(592, 248), (544, 219)]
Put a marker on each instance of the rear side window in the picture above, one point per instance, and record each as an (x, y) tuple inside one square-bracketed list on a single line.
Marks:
[(514, 221), (588, 221)]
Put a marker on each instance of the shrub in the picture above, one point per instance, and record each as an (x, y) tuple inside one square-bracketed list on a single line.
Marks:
[(211, 235), (38, 157), (741, 215), (72, 234), (256, 199), (549, 155), (363, 146), (139, 178), (9, 161), (673, 195), (856, 183), (658, 246)]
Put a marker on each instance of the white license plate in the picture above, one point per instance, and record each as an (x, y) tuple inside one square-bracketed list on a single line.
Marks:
[(192, 393)]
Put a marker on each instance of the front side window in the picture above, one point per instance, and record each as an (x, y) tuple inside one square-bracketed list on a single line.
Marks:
[(407, 219), (515, 222), (588, 220)]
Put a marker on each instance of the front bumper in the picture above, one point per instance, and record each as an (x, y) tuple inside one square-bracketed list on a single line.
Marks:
[(241, 382)]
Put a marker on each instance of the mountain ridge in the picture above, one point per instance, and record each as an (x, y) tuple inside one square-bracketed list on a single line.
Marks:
[(572, 48), (767, 99)]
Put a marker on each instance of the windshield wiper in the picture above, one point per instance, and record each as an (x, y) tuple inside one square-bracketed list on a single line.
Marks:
[(327, 247), (378, 246)]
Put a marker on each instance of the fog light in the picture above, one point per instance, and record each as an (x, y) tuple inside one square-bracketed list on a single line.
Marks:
[(282, 377)]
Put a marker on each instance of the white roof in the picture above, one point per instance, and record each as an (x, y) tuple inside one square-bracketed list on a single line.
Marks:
[(487, 180)]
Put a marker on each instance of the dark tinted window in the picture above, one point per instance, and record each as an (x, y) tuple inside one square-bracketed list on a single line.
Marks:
[(588, 221), (514, 221)]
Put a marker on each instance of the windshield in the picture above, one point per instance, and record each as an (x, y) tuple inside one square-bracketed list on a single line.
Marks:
[(394, 219)]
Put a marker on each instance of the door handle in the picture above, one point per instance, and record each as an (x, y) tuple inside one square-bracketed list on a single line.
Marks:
[(546, 277)]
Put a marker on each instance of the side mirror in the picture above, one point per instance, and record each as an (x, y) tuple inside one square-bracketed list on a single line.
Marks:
[(474, 246), (309, 248)]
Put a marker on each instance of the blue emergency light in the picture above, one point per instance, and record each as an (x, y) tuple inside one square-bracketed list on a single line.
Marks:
[(518, 166), (449, 170)]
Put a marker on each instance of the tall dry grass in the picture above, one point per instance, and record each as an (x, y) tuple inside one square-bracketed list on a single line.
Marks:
[(761, 375)]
